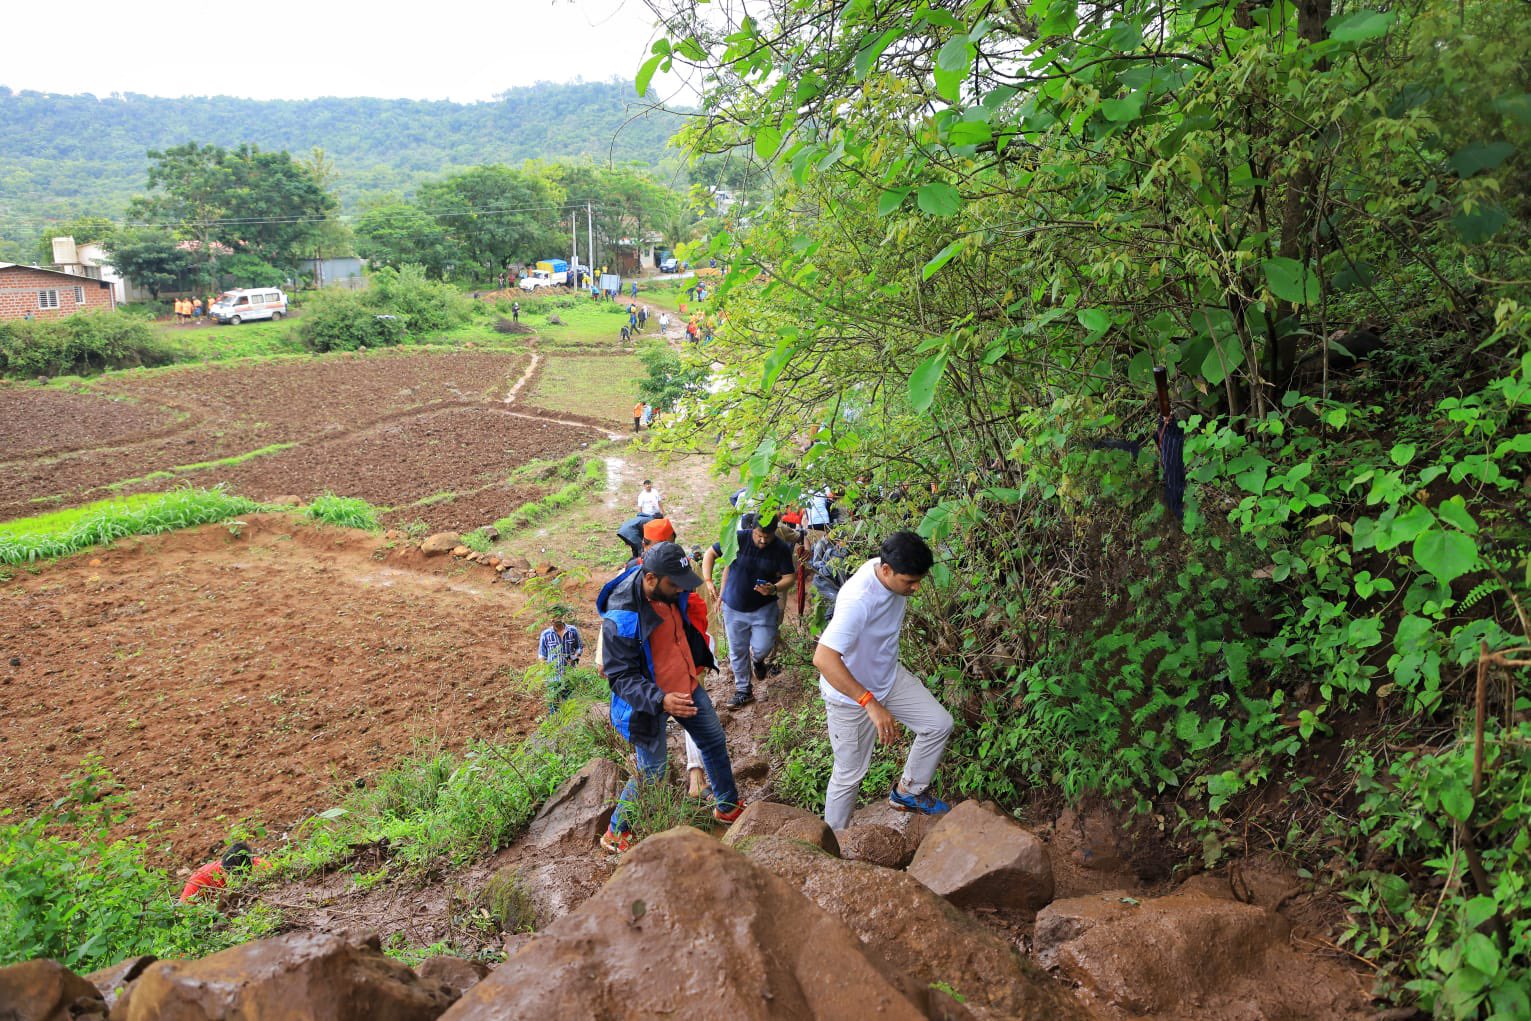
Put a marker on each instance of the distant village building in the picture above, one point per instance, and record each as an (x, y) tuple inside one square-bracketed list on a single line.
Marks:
[(338, 272), (38, 293)]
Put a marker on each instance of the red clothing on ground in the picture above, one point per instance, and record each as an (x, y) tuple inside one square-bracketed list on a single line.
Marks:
[(209, 876)]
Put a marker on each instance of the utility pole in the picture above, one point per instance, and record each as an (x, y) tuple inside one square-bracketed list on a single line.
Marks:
[(590, 234), (573, 249)]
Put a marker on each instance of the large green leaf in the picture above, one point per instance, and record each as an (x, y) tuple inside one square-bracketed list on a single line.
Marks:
[(941, 259), (1479, 156), (1360, 25), (939, 199), (1225, 355), (646, 73), (1446, 555), (889, 201), (1481, 223), (767, 142), (867, 56), (1291, 281), (923, 381)]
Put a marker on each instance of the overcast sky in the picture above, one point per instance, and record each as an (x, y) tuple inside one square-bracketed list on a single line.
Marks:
[(462, 50)]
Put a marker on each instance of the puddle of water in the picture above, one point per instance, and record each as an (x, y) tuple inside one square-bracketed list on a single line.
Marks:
[(614, 468)]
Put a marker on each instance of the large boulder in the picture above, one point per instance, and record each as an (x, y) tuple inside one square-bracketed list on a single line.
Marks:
[(308, 975), (441, 542), (111, 982), (911, 826), (768, 818), (875, 844), (456, 973), (1190, 955), (688, 928), (580, 810), (926, 939), (976, 857), (44, 990)]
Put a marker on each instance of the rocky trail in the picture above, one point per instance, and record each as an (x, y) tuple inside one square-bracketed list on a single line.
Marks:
[(969, 915)]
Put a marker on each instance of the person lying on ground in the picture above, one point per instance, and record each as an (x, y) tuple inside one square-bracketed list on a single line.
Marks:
[(238, 860)]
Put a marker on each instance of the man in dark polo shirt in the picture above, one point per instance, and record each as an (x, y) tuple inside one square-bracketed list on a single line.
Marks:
[(653, 657), (762, 571)]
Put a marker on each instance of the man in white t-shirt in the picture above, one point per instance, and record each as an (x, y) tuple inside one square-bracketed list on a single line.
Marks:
[(648, 500), (867, 692)]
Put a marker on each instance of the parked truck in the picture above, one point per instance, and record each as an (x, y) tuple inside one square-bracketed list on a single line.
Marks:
[(551, 273)]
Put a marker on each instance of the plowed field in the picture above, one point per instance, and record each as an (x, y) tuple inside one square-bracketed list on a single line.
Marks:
[(229, 679)]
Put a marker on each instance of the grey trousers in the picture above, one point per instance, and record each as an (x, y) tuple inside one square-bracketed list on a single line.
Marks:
[(852, 738), (750, 637)]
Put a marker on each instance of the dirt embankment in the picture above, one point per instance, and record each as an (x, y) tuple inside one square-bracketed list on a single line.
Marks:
[(240, 673)]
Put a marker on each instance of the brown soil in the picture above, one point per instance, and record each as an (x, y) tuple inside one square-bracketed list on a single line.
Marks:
[(34, 421), (187, 416), (227, 677)]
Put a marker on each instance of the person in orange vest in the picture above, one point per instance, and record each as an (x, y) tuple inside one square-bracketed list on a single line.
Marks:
[(637, 415), (214, 875)]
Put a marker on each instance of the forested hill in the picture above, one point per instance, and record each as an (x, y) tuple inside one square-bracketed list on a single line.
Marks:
[(69, 155)]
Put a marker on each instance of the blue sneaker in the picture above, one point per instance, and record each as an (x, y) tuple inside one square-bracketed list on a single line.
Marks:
[(926, 804)]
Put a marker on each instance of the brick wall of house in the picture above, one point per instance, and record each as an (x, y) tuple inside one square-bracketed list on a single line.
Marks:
[(21, 290)]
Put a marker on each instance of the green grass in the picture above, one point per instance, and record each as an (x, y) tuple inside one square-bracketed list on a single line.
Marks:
[(586, 323), (443, 808), (27, 540), (345, 512), (219, 343), (527, 514), (222, 462), (600, 387)]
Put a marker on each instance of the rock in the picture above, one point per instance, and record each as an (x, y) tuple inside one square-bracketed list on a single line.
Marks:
[(580, 810), (1192, 956), (456, 974), (512, 577), (460, 551), (875, 844), (44, 990), (392, 535), (766, 818), (752, 769), (111, 982), (690, 928), (287, 500), (546, 570), (495, 563), (301, 974), (558, 888), (976, 857), (913, 826), (553, 319), (515, 941), (519, 563), (1099, 839), (921, 935), (490, 532), (441, 542)]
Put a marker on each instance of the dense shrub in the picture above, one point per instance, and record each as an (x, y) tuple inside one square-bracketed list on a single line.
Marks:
[(77, 345), (424, 305), (346, 320), (70, 893)]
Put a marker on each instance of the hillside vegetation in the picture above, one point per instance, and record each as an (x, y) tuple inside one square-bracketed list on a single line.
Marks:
[(992, 222), (62, 156)]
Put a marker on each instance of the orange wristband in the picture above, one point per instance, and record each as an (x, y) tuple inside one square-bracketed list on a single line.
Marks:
[(866, 696)]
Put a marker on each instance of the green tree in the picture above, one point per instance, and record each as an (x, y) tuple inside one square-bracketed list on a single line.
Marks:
[(397, 233), (152, 258), (498, 215)]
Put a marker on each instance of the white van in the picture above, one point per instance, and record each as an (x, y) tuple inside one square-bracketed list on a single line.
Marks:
[(249, 303)]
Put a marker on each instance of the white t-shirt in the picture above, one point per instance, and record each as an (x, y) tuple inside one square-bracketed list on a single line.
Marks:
[(648, 501), (864, 631)]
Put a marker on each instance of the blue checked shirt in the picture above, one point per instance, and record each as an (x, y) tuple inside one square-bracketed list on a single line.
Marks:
[(560, 652)]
